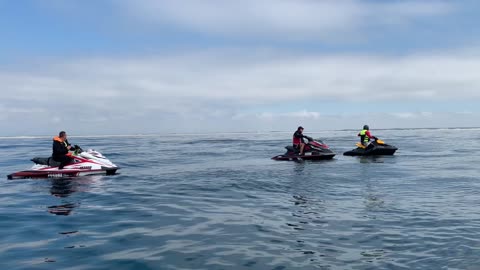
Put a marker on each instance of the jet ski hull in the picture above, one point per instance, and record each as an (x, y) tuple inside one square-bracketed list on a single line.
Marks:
[(376, 150), (88, 162), (294, 157), (56, 173)]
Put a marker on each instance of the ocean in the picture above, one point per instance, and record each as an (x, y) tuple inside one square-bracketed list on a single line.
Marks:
[(219, 202)]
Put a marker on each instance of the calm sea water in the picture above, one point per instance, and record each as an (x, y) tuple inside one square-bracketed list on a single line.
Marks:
[(220, 202)]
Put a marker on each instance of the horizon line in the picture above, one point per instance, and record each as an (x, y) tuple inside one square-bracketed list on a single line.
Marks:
[(225, 133)]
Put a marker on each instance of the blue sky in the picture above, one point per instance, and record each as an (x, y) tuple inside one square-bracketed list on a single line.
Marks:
[(116, 67)]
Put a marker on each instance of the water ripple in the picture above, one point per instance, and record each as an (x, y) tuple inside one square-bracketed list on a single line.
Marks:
[(221, 203)]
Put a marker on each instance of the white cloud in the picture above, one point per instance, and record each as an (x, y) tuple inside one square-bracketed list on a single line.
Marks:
[(299, 114), (288, 121), (405, 115), (278, 78), (286, 19), (241, 78), (224, 86), (412, 115)]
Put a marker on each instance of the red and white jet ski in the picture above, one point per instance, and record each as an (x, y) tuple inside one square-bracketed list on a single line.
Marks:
[(84, 163)]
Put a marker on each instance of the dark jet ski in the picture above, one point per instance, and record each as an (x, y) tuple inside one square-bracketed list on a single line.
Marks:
[(375, 148), (314, 150)]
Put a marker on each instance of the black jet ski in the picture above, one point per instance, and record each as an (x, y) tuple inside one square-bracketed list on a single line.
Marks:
[(375, 148), (314, 150)]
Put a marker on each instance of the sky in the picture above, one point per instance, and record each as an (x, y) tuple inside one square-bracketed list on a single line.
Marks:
[(200, 66)]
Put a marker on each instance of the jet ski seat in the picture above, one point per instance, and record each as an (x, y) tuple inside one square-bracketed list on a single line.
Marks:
[(46, 161)]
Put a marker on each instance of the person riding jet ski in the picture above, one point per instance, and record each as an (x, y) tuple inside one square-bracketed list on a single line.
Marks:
[(301, 150), (63, 163), (60, 149), (365, 136), (298, 142), (366, 148)]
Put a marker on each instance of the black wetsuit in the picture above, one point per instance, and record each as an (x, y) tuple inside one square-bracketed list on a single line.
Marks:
[(60, 152)]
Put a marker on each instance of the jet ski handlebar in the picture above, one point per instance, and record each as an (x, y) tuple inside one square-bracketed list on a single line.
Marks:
[(77, 149)]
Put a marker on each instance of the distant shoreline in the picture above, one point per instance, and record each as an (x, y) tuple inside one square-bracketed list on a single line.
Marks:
[(220, 133)]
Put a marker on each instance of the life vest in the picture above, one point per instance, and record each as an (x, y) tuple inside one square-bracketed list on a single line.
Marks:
[(296, 140), (56, 138), (363, 136)]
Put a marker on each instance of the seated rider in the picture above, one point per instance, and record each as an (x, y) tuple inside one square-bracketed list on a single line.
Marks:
[(365, 136), (298, 141), (60, 149)]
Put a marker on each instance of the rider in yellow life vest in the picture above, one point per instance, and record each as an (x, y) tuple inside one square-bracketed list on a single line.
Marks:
[(365, 136)]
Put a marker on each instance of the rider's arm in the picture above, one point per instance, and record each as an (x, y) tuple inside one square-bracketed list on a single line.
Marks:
[(370, 135), (69, 146)]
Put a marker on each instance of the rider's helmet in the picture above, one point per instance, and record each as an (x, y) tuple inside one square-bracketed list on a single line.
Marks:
[(365, 127)]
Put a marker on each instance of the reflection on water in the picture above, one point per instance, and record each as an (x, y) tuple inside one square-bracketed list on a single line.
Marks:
[(298, 168), (62, 188), (373, 199), (371, 159), (62, 210)]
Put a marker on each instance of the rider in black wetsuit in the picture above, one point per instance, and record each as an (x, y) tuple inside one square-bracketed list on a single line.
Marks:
[(60, 148)]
